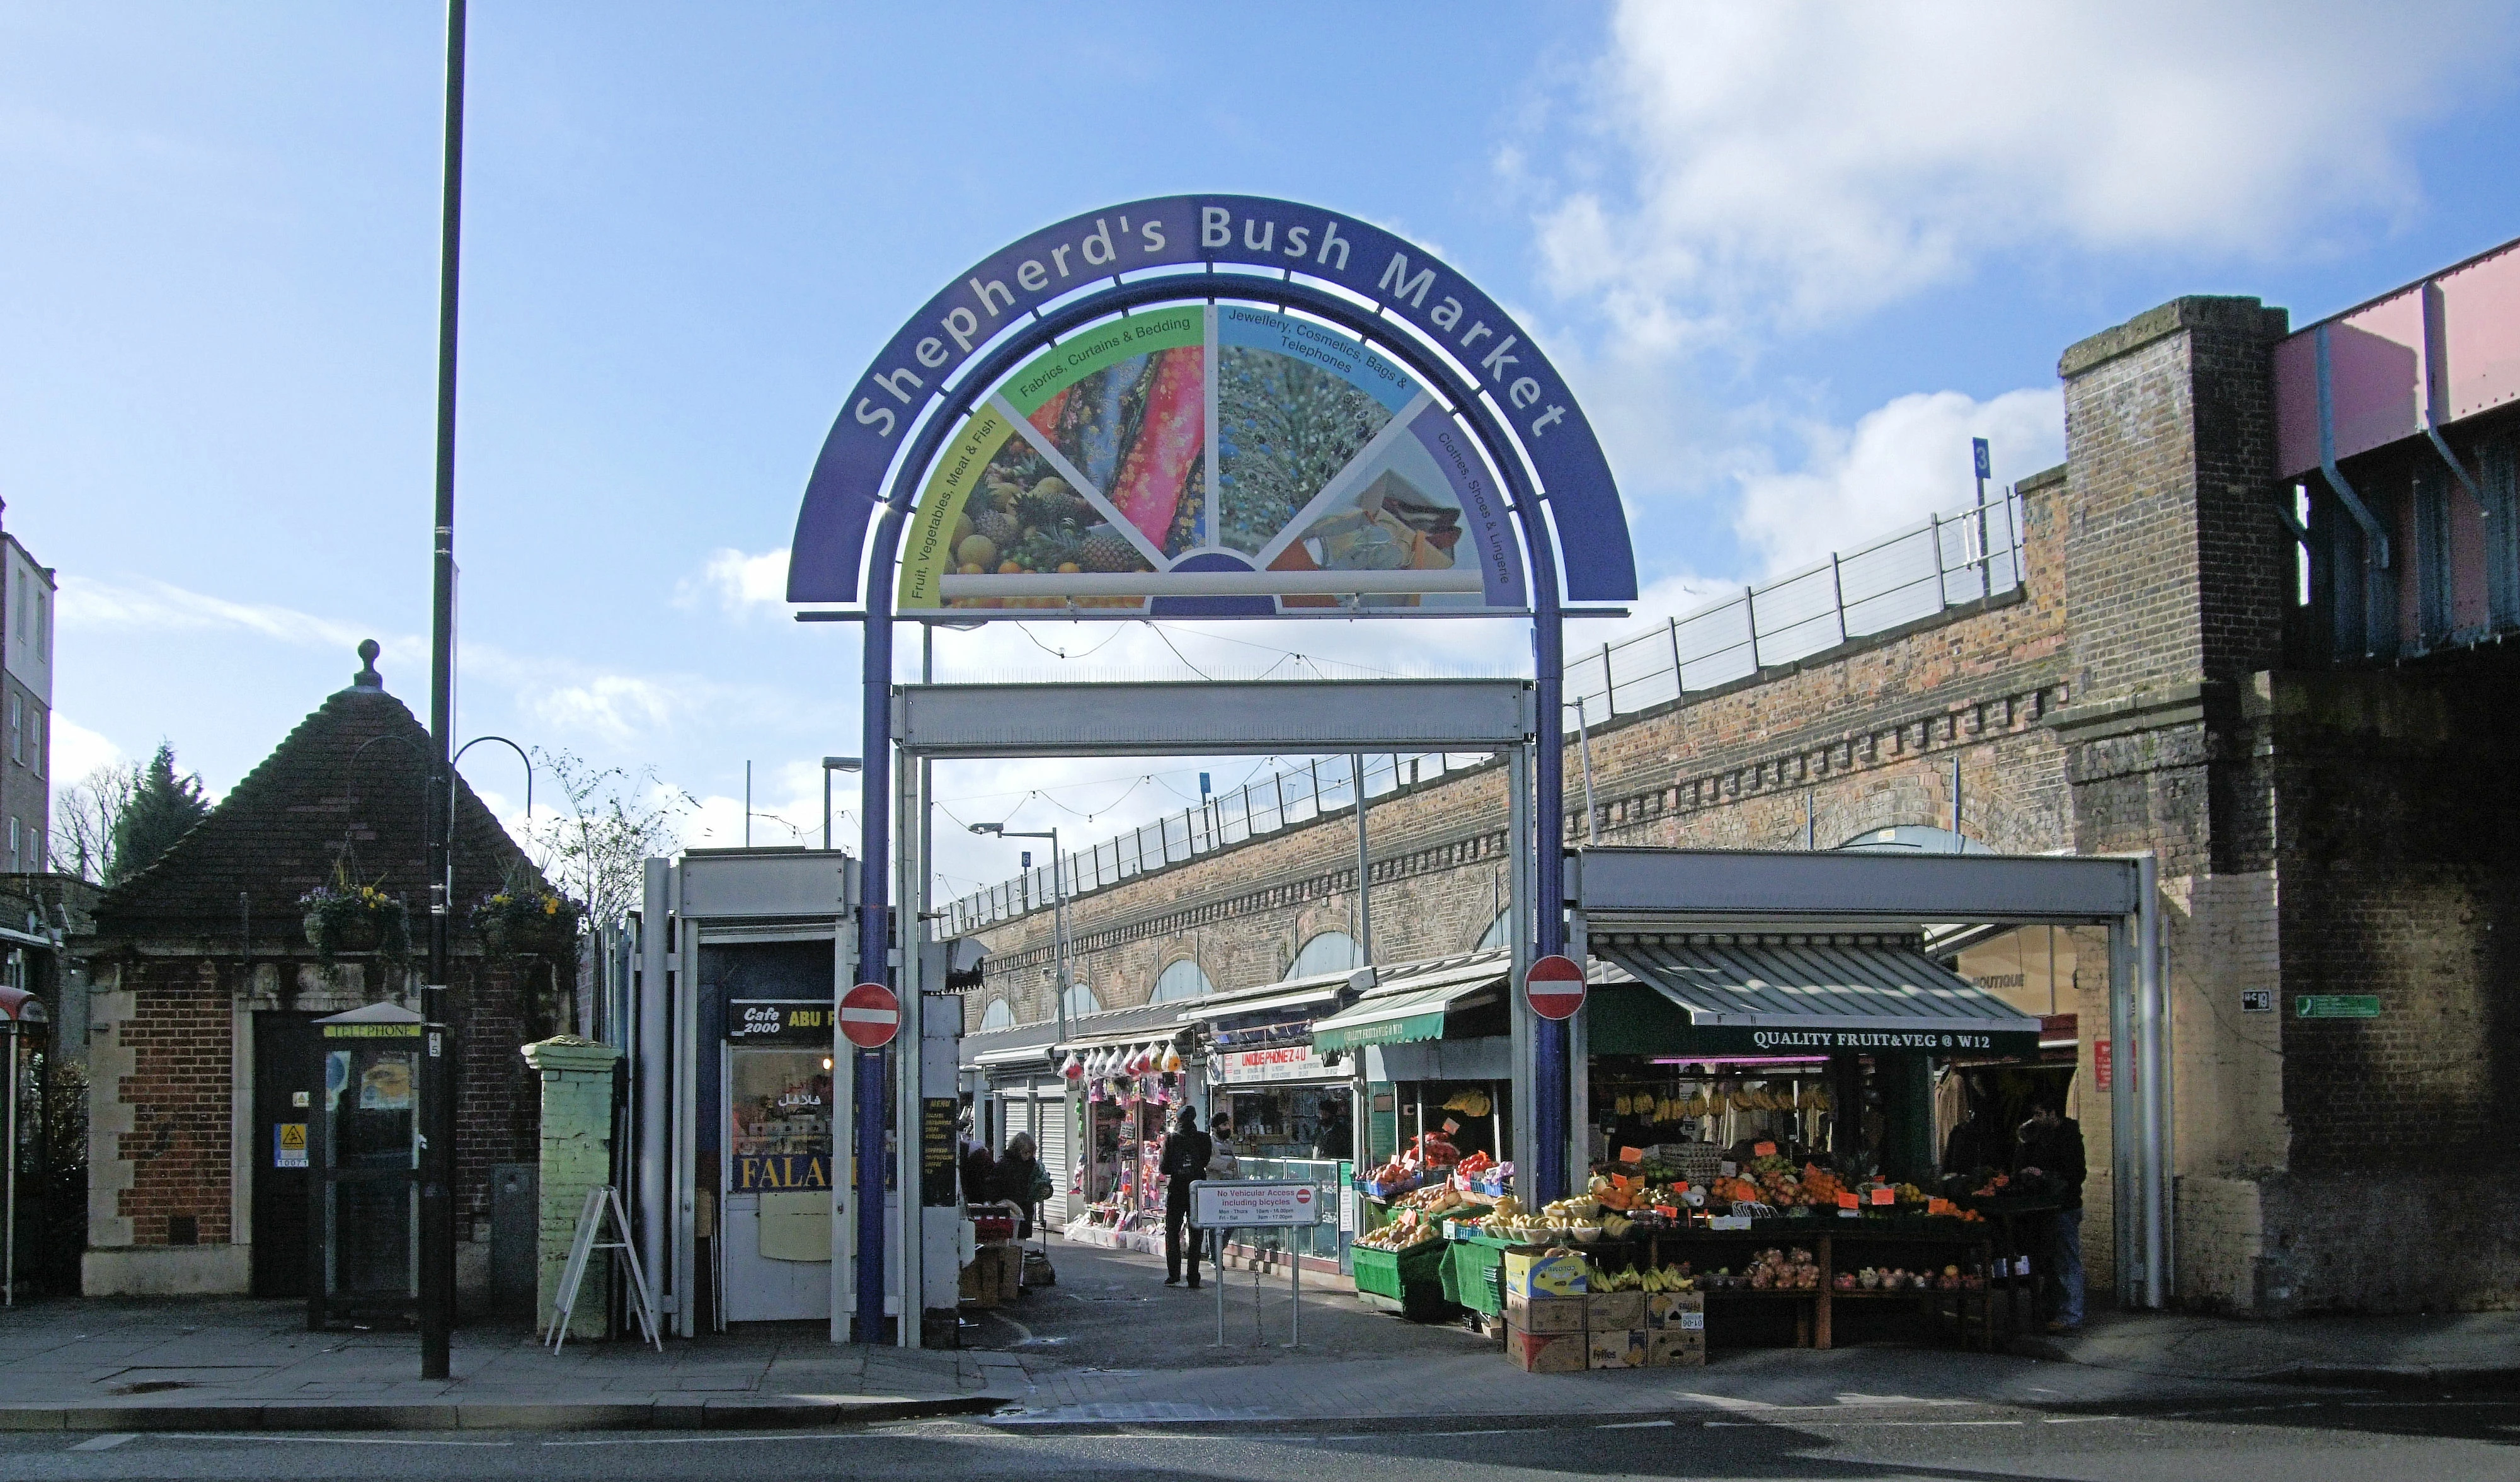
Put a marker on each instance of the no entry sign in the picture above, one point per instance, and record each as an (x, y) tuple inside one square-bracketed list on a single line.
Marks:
[(1555, 987), (869, 1016)]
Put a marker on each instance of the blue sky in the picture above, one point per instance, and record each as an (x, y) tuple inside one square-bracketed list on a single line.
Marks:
[(1794, 256)]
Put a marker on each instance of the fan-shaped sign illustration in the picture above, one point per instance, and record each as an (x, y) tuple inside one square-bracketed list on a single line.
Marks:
[(1216, 450)]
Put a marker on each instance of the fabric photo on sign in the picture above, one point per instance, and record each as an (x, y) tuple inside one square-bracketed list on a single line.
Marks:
[(1138, 431)]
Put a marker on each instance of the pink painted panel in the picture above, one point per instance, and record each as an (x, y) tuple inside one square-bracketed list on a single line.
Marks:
[(2376, 359), (2481, 313)]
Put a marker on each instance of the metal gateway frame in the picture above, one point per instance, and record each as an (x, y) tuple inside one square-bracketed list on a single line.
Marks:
[(1492, 382), (1222, 719), (1549, 1039), (1628, 890)]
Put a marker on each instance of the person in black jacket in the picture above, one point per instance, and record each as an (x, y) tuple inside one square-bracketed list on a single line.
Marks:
[(2050, 1161), (1186, 1151)]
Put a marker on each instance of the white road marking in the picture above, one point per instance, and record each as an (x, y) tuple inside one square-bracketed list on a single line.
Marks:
[(105, 1441), (715, 1437), (1638, 1425), (1824, 1420)]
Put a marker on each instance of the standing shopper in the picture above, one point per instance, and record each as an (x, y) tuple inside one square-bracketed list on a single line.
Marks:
[(1223, 1164), (2051, 1154), (1187, 1152), (1022, 1182)]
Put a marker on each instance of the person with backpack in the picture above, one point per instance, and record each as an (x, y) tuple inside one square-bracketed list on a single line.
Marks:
[(1186, 1156)]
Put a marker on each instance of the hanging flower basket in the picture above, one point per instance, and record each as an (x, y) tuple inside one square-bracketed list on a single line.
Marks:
[(525, 917), (346, 917)]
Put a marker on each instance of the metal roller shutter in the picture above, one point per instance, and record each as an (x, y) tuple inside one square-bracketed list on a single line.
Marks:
[(1049, 1137)]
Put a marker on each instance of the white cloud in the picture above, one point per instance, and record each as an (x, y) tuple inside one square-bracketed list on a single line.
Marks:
[(78, 750), (163, 607), (1899, 464), (1799, 159), (739, 582)]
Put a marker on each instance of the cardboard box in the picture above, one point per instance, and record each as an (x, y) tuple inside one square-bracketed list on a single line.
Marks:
[(1665, 1309), (1545, 1353), (1606, 1310), (1674, 1348), (979, 1285), (1615, 1348), (1547, 1314), (1009, 1268), (1536, 1274)]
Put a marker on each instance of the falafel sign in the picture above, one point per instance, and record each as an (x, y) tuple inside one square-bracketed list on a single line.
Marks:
[(1233, 448)]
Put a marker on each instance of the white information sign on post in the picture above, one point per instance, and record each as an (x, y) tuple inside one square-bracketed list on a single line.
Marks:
[(1261, 1204), (1256, 1204)]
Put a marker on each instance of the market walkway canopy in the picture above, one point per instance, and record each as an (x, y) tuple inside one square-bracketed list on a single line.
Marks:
[(1412, 1003), (1797, 995), (1701, 891)]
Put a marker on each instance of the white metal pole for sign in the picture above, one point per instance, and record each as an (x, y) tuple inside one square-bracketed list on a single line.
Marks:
[(1295, 1287)]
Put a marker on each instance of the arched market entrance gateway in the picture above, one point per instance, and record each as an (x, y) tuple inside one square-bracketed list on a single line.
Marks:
[(1202, 407)]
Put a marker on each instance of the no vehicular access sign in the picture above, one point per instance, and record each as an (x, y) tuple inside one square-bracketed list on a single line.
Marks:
[(1254, 1205)]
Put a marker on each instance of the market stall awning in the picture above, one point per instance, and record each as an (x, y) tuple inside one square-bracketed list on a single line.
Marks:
[(1397, 1018), (1308, 992), (1814, 994)]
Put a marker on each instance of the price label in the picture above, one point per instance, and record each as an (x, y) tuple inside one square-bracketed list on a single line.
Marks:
[(1451, 1127), (1632, 1155), (1762, 1149), (1729, 1168), (1667, 1211), (1885, 1197), (1846, 1201)]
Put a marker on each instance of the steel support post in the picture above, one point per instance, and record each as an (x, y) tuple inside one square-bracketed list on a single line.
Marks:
[(438, 1052), (2153, 1083), (875, 924), (1549, 1037), (2126, 1181)]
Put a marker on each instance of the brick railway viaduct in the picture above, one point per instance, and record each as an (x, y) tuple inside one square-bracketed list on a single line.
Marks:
[(2152, 685)]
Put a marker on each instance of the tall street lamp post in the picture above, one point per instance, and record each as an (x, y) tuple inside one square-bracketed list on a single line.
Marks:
[(832, 764), (1057, 909)]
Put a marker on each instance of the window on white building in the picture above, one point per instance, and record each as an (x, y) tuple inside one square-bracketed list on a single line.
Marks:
[(15, 866), (18, 730)]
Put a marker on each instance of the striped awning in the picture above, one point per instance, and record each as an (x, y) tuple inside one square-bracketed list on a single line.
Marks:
[(1820, 994)]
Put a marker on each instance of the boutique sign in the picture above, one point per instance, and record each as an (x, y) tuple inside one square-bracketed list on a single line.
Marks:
[(1211, 406)]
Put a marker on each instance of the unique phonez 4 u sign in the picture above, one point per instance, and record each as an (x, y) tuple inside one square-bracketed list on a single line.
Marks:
[(1318, 421)]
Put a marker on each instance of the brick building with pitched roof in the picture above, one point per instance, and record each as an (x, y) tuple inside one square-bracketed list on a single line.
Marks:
[(203, 988)]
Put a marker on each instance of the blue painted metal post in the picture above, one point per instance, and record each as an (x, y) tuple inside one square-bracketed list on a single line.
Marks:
[(875, 914), (1551, 1135)]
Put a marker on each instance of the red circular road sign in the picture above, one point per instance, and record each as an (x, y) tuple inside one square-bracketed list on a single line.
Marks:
[(869, 1016), (1554, 985)]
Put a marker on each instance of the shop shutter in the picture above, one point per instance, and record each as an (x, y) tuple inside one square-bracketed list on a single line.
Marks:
[(1050, 1137)]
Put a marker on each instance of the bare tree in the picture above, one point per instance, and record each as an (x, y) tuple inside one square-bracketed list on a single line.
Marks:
[(87, 813), (609, 822)]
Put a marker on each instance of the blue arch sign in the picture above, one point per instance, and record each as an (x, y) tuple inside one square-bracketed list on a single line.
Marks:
[(1207, 406), (1116, 416)]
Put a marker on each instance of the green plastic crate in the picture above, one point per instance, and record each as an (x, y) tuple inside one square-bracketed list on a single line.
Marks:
[(1411, 1280), (1471, 1277)]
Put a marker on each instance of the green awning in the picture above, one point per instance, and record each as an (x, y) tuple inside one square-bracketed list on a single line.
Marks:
[(1397, 1018)]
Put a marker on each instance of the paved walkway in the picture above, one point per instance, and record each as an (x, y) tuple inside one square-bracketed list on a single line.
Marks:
[(2456, 1349), (236, 1364), (1109, 1344)]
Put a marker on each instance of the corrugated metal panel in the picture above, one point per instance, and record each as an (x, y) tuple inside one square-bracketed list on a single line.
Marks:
[(1813, 982)]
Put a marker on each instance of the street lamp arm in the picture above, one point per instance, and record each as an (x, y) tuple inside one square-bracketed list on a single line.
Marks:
[(458, 759)]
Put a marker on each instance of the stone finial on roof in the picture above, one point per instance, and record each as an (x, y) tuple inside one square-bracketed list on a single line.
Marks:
[(368, 678)]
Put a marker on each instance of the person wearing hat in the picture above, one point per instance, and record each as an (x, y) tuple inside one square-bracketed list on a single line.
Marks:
[(1186, 1156)]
